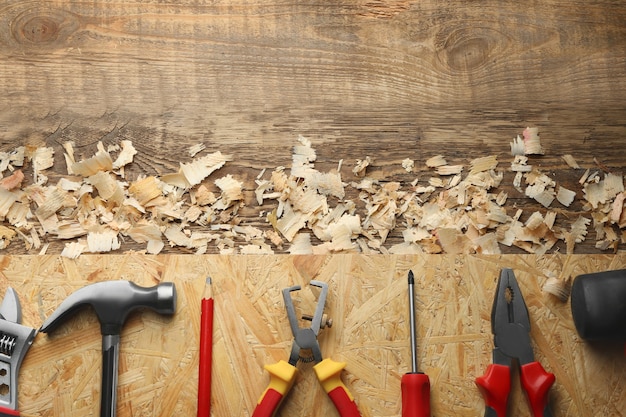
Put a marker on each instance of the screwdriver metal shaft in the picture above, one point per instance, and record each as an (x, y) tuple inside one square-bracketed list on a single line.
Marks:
[(412, 322), (415, 385)]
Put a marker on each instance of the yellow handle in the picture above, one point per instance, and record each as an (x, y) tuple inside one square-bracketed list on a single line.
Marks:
[(329, 374), (282, 377)]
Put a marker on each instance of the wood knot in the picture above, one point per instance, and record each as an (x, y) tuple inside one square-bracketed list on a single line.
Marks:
[(469, 49), (42, 27)]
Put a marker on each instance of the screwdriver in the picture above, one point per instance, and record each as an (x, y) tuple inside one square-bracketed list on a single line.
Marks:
[(415, 385)]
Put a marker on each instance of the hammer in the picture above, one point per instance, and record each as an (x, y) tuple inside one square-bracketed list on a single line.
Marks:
[(599, 305), (113, 301)]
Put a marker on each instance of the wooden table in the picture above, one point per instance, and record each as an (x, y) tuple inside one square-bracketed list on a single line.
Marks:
[(386, 79)]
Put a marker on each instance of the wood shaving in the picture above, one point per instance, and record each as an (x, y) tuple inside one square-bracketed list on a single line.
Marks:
[(361, 166), (486, 163), (520, 164), (125, 157), (565, 196), (196, 149), (193, 173), (558, 288), (532, 144), (517, 146), (10, 160), (42, 159), (93, 209), (449, 169), (528, 144), (570, 161), (436, 161), (12, 181), (540, 187), (101, 161)]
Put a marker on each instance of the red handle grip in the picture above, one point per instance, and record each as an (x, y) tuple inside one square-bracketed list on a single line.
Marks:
[(495, 386), (328, 372), (268, 405), (282, 377), (415, 395), (536, 381), (344, 403), (7, 412)]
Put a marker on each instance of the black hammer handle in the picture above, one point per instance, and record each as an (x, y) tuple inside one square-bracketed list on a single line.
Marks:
[(110, 362)]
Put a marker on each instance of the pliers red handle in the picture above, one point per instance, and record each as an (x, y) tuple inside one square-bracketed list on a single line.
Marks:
[(511, 328), (328, 372)]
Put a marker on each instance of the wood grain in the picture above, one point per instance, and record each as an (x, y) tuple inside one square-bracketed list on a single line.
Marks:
[(384, 78), (368, 304), (390, 79)]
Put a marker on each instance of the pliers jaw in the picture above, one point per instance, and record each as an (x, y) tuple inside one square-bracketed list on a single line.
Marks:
[(305, 338), (510, 323), (283, 374)]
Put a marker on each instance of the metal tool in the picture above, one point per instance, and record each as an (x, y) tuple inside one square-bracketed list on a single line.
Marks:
[(510, 326), (15, 340), (415, 386), (112, 301), (305, 348)]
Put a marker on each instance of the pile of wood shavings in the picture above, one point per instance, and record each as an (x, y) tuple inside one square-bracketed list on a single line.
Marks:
[(93, 209)]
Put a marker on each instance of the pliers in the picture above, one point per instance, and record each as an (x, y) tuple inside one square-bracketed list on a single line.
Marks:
[(15, 340), (283, 374), (510, 326)]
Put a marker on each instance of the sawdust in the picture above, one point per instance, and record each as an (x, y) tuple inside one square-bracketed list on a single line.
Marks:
[(93, 209)]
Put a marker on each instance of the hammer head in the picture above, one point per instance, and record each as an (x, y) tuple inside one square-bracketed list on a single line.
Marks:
[(113, 301)]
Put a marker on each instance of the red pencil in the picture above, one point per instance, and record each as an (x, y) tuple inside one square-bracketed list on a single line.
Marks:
[(206, 352)]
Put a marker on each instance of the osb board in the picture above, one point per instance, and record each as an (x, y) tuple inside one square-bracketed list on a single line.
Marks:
[(368, 303)]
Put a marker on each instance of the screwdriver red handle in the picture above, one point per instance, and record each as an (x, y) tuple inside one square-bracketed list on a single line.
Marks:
[(495, 386), (415, 394), (536, 381)]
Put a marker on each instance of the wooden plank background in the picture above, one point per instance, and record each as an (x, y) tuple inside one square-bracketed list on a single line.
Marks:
[(368, 303), (390, 79)]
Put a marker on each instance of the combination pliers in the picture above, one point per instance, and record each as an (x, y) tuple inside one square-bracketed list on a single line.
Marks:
[(510, 326), (283, 374)]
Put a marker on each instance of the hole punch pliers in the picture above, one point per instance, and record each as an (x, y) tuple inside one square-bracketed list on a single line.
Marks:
[(306, 348), (510, 326)]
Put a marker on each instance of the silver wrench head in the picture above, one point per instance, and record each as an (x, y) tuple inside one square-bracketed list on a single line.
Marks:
[(10, 310), (15, 340)]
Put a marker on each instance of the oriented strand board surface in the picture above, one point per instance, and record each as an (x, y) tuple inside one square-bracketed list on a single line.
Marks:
[(368, 303)]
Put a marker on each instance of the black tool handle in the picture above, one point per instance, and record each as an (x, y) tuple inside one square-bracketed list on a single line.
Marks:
[(490, 412), (598, 306), (110, 363)]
